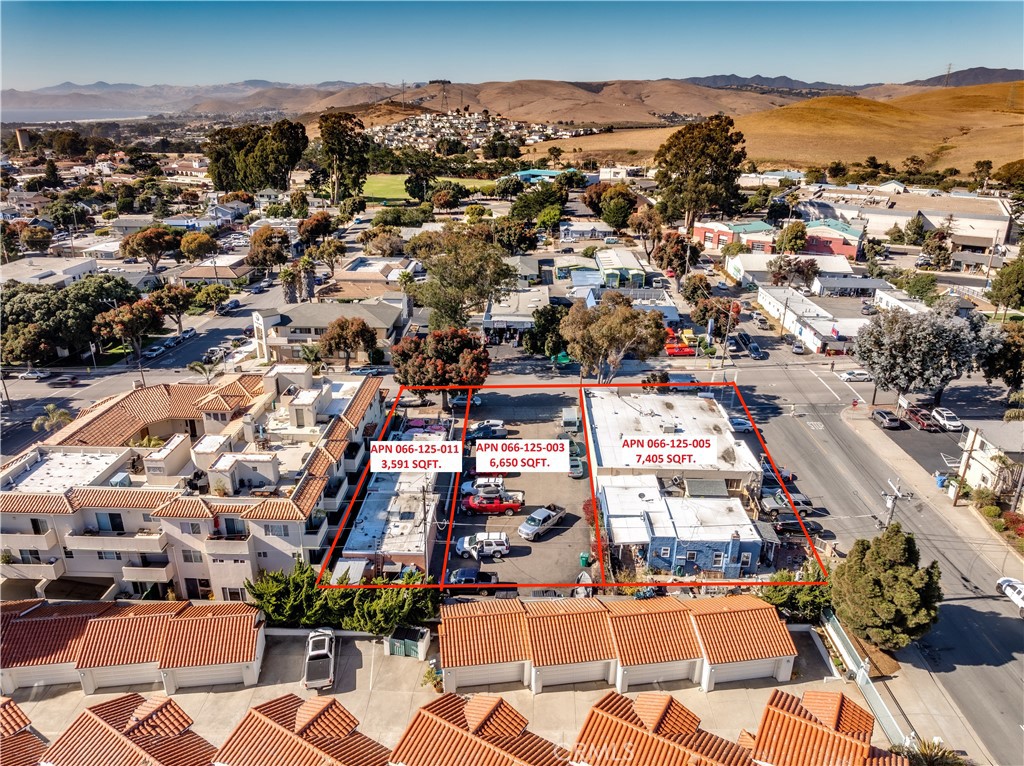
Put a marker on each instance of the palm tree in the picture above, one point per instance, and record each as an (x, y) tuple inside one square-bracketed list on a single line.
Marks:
[(52, 419), (289, 284), (206, 370), (1016, 413), (405, 281), (307, 276), (150, 442), (792, 199), (310, 354), (930, 753)]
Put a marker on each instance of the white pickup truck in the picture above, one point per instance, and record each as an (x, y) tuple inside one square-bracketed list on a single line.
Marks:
[(319, 673)]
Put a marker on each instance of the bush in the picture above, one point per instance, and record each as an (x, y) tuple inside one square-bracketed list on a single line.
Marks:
[(991, 511), (982, 497), (1013, 519), (998, 525)]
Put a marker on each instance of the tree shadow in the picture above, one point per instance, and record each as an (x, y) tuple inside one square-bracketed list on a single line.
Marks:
[(953, 642)]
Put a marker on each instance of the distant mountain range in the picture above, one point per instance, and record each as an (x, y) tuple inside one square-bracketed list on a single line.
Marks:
[(620, 102)]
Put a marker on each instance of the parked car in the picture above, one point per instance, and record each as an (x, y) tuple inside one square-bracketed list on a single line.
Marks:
[(267, 283), (798, 348), (774, 502), (575, 448), (566, 250), (577, 468), (493, 544), (920, 419), (492, 423), (459, 400), (869, 310), (755, 352), (507, 503), (742, 425), (743, 339), (787, 523), (319, 672), (540, 521), (947, 419), (154, 351), (257, 289), (755, 315), (722, 286), (680, 349), (34, 375), (188, 332), (763, 324), (474, 486), (63, 381), (732, 345), (130, 260), (856, 376), (480, 583), (1013, 589), (487, 432), (886, 418)]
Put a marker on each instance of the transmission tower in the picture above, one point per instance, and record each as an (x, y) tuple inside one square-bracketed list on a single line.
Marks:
[(444, 92), (949, 69)]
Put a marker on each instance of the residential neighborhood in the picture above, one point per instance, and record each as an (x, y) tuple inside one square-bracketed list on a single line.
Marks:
[(346, 422)]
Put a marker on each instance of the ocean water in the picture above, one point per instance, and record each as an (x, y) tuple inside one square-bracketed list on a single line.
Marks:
[(68, 115)]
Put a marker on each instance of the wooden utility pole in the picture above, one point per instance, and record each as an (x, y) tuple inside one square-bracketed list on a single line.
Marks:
[(967, 465)]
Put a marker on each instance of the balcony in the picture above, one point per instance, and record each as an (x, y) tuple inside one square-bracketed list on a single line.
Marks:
[(229, 545), (119, 542), (152, 572), (23, 540), (354, 456), (18, 571), (314, 533)]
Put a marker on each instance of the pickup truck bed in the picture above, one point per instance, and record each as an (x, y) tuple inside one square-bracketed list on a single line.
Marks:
[(319, 670)]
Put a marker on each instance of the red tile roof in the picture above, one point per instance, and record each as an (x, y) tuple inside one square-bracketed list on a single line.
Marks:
[(295, 732), (214, 634), (634, 622), (10, 610), (35, 502), (183, 507), (118, 497), (308, 493), (48, 635), (568, 631), (274, 509), (740, 629), (21, 749), (453, 732), (125, 636), (12, 719), (365, 396), (791, 733), (320, 462), (655, 730), (483, 633), (131, 731)]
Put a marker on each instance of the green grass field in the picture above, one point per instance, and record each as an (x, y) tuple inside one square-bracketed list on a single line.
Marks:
[(392, 187)]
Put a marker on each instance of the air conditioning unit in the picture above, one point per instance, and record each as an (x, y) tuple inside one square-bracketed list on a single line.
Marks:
[(668, 428)]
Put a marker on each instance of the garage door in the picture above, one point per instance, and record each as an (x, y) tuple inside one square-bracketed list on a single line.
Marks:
[(556, 675), (651, 674), (208, 675), (125, 675), (483, 675), (45, 675), (741, 671)]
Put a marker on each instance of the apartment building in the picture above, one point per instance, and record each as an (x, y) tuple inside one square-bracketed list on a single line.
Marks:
[(244, 480)]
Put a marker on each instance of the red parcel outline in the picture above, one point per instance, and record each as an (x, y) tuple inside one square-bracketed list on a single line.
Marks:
[(604, 583)]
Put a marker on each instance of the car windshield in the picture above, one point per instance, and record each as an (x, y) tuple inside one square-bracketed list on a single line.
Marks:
[(534, 521)]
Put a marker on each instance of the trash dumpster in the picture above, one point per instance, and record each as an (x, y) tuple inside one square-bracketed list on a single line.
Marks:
[(940, 480)]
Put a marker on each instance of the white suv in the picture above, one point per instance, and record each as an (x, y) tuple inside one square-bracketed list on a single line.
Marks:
[(494, 544), (947, 419), (1012, 589), (485, 484)]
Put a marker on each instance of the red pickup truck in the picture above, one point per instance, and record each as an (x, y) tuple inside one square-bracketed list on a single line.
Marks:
[(507, 503)]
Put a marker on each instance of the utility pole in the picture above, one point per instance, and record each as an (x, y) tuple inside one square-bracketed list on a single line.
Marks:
[(967, 465), (782, 320), (949, 69), (891, 500)]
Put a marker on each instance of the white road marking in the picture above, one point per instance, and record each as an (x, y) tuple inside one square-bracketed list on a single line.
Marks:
[(826, 385)]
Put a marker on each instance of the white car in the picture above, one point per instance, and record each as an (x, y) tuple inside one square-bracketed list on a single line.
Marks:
[(1013, 589), (742, 425), (947, 419), (34, 375), (798, 347), (856, 376), (476, 486), (154, 352)]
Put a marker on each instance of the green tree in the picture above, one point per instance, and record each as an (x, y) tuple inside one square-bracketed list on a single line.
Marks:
[(269, 247), (344, 336), (196, 245), (982, 170), (509, 187), (804, 602), (572, 179), (545, 337), (150, 245), (422, 169), (922, 286), (1007, 291), (36, 238), (310, 354), (695, 287), (814, 175), (807, 270), (600, 337), (206, 370), (675, 251), (882, 594), (10, 239), (930, 752), (913, 231), (698, 169), (346, 149), (299, 204), (707, 309), (514, 235), (173, 301), (53, 419), (331, 252), (616, 212), (450, 357), (65, 213), (211, 296), (793, 239), (51, 178), (735, 248), (129, 324), (289, 284), (316, 227), (593, 195), (1008, 364), (549, 218), (307, 278), (836, 169), (462, 279), (529, 204), (647, 223)]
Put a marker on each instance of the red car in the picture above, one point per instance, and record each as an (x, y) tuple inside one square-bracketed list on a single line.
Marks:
[(507, 503), (680, 349), (920, 419)]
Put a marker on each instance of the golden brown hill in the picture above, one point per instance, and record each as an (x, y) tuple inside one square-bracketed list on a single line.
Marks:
[(384, 113), (948, 127), (285, 99)]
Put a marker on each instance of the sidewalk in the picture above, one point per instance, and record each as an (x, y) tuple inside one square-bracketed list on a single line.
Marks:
[(914, 691)]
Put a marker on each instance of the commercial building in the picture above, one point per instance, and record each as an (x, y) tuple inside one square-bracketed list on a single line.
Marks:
[(621, 268), (59, 272), (752, 268), (280, 334), (757, 235), (515, 310), (828, 236)]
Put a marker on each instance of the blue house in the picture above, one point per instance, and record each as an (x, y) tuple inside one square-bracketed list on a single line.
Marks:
[(676, 533)]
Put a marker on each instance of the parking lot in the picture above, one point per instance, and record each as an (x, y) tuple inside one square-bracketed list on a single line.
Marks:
[(555, 556)]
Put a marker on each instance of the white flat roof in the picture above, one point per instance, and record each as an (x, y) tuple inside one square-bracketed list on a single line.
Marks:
[(342, 393), (306, 396), (56, 471), (228, 460), (168, 447), (611, 416), (209, 443), (286, 368)]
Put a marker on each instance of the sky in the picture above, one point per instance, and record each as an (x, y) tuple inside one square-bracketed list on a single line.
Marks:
[(201, 43)]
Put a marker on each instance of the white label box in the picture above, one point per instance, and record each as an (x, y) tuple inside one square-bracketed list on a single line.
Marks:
[(522, 455), (442, 457), (640, 451)]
